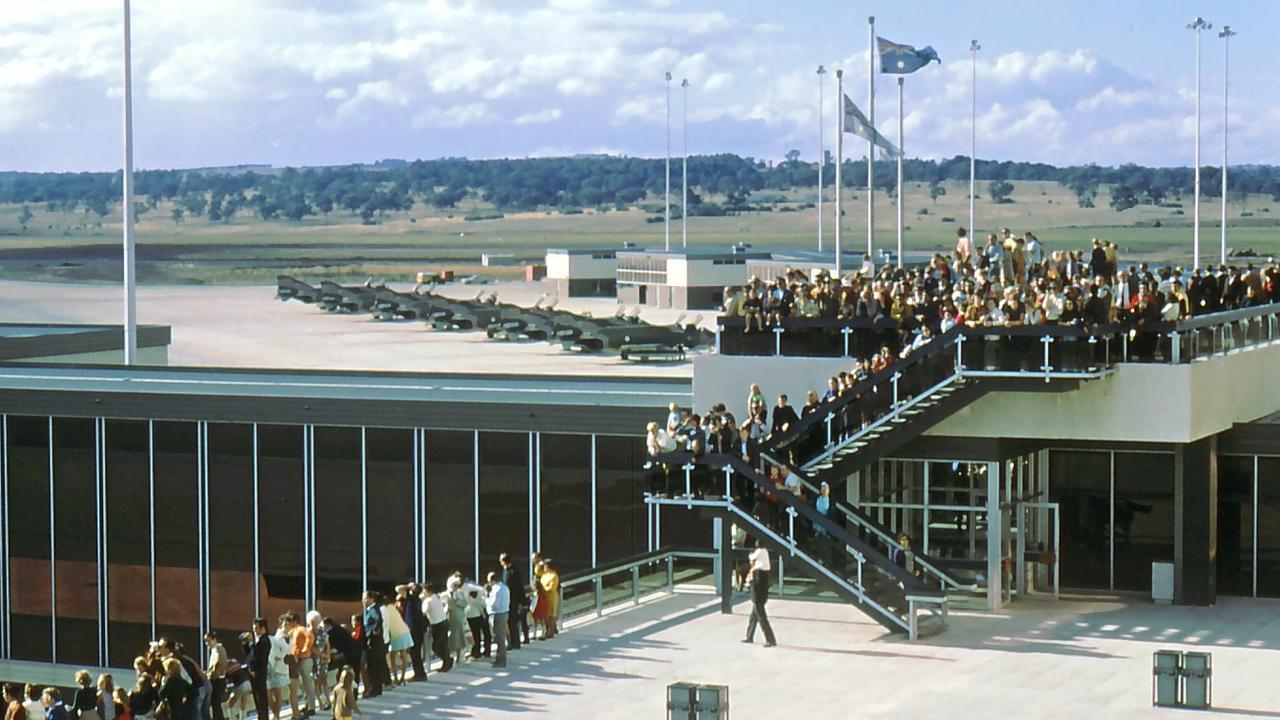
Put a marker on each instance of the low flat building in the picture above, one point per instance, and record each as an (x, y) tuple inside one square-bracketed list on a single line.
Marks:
[(684, 279), (582, 272)]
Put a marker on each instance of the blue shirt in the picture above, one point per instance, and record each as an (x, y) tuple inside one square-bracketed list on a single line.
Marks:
[(498, 599), (372, 620)]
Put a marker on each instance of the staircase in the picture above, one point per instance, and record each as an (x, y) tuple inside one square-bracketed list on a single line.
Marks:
[(820, 547)]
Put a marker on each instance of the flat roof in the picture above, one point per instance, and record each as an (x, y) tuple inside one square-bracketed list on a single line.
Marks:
[(20, 340), (702, 253), (585, 251)]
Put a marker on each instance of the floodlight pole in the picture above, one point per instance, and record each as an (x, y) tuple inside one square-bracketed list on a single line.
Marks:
[(901, 157), (1197, 25), (130, 279), (667, 197), (974, 47), (871, 145), (822, 156), (839, 162), (684, 169), (1225, 34)]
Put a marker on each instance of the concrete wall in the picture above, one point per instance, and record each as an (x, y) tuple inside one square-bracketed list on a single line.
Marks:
[(697, 272), (566, 266), (146, 356), (1153, 403), (726, 379)]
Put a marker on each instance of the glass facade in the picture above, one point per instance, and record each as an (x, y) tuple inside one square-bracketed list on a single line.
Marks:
[(181, 499), (1268, 524)]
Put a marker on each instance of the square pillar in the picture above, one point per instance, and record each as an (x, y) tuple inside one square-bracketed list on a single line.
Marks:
[(1195, 530), (995, 536)]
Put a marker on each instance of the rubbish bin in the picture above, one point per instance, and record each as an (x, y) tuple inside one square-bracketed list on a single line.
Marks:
[(1197, 680), (688, 701), (1166, 669), (681, 699)]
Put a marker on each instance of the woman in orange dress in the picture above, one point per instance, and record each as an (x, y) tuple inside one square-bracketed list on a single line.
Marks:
[(539, 613)]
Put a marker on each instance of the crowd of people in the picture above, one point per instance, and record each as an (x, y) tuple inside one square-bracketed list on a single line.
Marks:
[(314, 664), (1011, 280)]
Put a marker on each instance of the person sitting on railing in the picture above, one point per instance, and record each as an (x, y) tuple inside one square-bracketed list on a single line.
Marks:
[(753, 311), (732, 306), (755, 400), (883, 360)]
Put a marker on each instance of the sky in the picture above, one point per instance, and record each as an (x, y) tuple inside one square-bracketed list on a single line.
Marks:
[(322, 82)]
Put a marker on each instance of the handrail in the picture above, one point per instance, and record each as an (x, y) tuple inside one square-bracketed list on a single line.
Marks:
[(595, 577), (585, 576), (1226, 316), (910, 582)]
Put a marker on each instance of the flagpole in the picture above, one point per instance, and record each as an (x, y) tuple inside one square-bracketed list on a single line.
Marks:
[(1197, 25), (1225, 34), (684, 169), (974, 47), (667, 198), (821, 153), (130, 279), (839, 161), (901, 153), (871, 146)]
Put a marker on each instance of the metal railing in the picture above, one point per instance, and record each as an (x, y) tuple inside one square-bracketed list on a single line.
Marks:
[(624, 581)]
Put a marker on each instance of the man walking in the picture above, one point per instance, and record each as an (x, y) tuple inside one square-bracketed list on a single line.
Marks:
[(517, 620), (498, 603), (760, 570), (375, 649)]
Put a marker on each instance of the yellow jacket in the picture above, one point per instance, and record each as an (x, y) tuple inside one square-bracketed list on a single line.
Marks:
[(550, 582)]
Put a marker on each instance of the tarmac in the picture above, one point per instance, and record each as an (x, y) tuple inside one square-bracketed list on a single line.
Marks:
[(245, 327)]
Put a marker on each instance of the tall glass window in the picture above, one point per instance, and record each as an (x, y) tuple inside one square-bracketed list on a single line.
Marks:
[(1235, 525), (451, 480), (128, 539), (29, 577), (620, 512), (1080, 482), (76, 518), (389, 469), (1269, 527), (566, 501), (504, 499), (177, 558), (1144, 515), (281, 511), (232, 584), (337, 500)]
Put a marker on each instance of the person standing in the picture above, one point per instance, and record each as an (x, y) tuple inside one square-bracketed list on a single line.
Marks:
[(477, 621), (760, 571), (216, 672), (550, 582), (375, 649), (259, 661), (517, 620), (175, 692), (437, 612), (344, 697), (417, 629), (14, 709), (302, 646), (498, 603)]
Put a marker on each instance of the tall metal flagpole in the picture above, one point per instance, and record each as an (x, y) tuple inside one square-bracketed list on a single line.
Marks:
[(871, 146), (901, 154), (684, 168), (1197, 25), (822, 155), (1225, 34), (667, 197), (974, 47), (130, 280), (839, 161)]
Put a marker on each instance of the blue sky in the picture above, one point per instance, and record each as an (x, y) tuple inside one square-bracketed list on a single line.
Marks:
[(298, 82)]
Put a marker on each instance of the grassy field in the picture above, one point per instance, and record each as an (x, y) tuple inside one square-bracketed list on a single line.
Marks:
[(246, 250)]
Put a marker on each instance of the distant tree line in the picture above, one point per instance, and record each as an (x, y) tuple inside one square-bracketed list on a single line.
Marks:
[(573, 183)]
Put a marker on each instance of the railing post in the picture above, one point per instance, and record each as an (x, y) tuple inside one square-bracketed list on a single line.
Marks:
[(960, 354), (728, 483), (861, 561), (896, 375), (777, 340), (830, 417), (688, 480), (1047, 340), (635, 585), (671, 574), (599, 596), (1175, 344), (718, 329), (1124, 346), (791, 528), (846, 331)]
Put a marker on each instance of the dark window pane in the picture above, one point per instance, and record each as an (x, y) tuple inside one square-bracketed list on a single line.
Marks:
[(1235, 525), (566, 501), (504, 498), (1080, 482), (128, 540), (619, 502), (177, 580), (338, 557), (281, 511), (27, 443), (1269, 527), (450, 503), (389, 472), (75, 502), (231, 579), (1144, 517)]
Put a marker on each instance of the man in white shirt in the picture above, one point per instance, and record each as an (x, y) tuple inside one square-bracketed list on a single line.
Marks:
[(476, 619), (437, 613), (216, 672), (498, 603), (760, 571)]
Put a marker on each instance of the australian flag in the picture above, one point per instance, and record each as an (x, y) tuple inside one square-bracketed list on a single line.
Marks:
[(903, 59)]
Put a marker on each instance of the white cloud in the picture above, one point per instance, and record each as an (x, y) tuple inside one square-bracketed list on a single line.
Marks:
[(539, 117), (455, 116)]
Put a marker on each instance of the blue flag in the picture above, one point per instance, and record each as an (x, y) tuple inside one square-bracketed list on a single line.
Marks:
[(903, 59), (855, 122)]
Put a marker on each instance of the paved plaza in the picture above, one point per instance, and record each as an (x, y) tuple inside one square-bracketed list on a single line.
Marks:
[(1037, 659)]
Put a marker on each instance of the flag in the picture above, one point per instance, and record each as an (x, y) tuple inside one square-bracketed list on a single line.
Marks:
[(903, 59), (855, 122)]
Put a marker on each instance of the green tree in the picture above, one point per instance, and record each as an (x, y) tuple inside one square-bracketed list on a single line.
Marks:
[(1122, 197), (1000, 190), (177, 214), (936, 191), (25, 216)]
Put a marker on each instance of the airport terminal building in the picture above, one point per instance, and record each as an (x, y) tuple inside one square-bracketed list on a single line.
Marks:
[(155, 500)]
